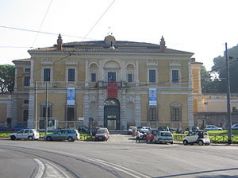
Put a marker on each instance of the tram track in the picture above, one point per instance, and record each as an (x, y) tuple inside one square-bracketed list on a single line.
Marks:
[(74, 166)]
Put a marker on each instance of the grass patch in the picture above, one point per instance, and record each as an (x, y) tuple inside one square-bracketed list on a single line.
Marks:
[(221, 136), (5, 134), (216, 136)]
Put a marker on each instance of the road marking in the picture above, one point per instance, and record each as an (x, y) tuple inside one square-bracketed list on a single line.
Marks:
[(55, 171), (120, 168), (41, 169), (128, 171)]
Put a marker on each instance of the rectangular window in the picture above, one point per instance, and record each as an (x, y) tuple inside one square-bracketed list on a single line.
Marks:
[(47, 74), (27, 70), (129, 77), (152, 113), (71, 75), (43, 111), (27, 81), (25, 115), (26, 101), (70, 114), (152, 76), (93, 77), (175, 76), (111, 76), (176, 113)]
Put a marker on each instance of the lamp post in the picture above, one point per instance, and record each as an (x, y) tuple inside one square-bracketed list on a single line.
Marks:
[(228, 96), (46, 110), (36, 120)]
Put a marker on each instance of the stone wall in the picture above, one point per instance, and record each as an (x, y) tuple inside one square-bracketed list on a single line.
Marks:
[(214, 118)]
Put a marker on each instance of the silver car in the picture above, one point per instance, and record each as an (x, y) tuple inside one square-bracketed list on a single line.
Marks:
[(63, 134), (212, 127), (163, 137), (29, 134), (234, 127)]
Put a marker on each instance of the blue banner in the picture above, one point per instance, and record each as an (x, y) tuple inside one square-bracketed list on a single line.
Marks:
[(70, 96), (152, 96)]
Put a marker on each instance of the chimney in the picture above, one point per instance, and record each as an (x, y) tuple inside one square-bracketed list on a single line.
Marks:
[(59, 43), (162, 45)]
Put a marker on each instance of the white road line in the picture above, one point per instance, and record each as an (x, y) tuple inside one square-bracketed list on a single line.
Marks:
[(128, 171), (60, 172), (41, 168)]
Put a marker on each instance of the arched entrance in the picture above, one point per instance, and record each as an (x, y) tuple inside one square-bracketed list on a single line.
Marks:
[(112, 114)]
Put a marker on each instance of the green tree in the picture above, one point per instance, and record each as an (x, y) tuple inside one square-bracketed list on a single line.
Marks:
[(209, 84), (205, 79), (220, 67), (7, 74)]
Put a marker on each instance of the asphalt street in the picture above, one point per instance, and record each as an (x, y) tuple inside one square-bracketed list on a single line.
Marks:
[(121, 156)]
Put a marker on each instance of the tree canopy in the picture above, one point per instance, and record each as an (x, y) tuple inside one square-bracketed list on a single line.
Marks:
[(218, 84), (208, 83), (7, 74), (220, 67)]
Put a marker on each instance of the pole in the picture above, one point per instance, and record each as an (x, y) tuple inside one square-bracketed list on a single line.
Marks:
[(46, 111), (36, 121), (228, 96)]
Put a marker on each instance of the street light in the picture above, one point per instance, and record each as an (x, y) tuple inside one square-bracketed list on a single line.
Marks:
[(46, 111), (228, 95)]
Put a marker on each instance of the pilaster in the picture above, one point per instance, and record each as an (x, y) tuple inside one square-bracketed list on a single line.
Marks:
[(31, 113)]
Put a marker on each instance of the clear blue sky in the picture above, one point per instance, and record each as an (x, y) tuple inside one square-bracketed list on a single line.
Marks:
[(199, 26)]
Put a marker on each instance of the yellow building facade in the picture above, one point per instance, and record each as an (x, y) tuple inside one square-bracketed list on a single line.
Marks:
[(107, 83)]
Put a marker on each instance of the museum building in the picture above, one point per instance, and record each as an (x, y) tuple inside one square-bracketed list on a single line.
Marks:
[(109, 83)]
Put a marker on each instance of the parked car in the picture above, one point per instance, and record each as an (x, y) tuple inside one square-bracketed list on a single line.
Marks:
[(212, 127), (234, 126), (163, 137), (102, 134), (29, 134), (131, 130), (199, 137), (150, 136), (145, 129), (63, 134)]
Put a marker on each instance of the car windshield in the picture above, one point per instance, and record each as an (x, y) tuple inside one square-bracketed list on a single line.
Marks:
[(56, 132), (166, 134), (101, 131)]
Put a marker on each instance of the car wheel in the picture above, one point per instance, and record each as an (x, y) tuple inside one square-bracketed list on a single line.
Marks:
[(185, 142), (13, 137), (48, 138), (200, 142), (30, 138), (172, 142), (70, 139)]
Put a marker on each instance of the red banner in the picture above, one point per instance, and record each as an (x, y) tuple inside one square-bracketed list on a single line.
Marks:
[(112, 90)]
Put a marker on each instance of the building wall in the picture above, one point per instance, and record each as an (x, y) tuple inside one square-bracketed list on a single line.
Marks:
[(218, 103), (164, 110), (5, 110)]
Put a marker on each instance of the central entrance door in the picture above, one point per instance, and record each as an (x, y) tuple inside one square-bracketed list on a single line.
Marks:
[(112, 114)]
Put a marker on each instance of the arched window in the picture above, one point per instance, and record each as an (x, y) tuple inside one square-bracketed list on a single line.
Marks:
[(112, 71)]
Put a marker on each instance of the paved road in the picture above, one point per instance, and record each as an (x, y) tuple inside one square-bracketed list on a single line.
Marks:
[(122, 157)]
